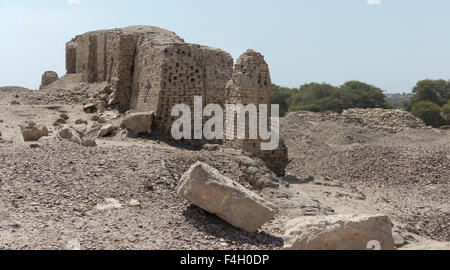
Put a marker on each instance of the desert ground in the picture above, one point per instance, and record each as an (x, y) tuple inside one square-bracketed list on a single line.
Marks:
[(53, 191)]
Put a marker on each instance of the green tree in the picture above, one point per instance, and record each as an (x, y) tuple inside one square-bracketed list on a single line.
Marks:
[(436, 91), (429, 112), (445, 113), (366, 95), (282, 96), (325, 97)]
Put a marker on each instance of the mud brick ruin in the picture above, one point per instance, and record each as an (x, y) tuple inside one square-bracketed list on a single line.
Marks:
[(151, 70)]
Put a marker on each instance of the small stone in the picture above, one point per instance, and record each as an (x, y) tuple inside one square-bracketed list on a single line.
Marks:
[(134, 202), (109, 203), (73, 245)]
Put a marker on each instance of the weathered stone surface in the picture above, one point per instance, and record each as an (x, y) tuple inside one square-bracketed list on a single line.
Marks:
[(77, 135), (32, 132), (251, 84), (88, 143), (207, 188), (338, 232), (148, 69), (59, 122), (109, 203), (48, 77), (106, 130), (382, 119), (137, 123), (90, 108), (70, 134), (109, 55)]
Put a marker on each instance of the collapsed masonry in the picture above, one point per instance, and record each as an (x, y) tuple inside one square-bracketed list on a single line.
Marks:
[(151, 69)]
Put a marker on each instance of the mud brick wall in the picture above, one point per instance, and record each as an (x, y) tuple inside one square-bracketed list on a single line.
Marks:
[(174, 74), (71, 57), (151, 69), (109, 55), (251, 84)]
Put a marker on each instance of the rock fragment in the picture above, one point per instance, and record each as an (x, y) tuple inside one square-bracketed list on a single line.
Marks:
[(138, 123), (207, 188), (106, 130), (339, 232), (32, 132)]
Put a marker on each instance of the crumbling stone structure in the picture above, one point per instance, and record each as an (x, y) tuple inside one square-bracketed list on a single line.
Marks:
[(151, 70), (251, 84), (47, 78)]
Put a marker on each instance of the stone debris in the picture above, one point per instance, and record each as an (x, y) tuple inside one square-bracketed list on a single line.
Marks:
[(106, 130), (389, 120), (381, 119), (88, 143), (70, 134), (109, 203), (90, 108), (138, 123), (81, 122), (76, 135), (64, 116), (339, 232), (134, 202), (73, 245), (208, 189), (59, 122), (32, 132)]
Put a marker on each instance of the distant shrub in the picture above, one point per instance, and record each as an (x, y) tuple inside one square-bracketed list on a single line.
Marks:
[(322, 97), (283, 97), (445, 113), (429, 112), (427, 92)]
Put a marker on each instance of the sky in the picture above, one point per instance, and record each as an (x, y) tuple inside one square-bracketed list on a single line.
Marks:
[(391, 44)]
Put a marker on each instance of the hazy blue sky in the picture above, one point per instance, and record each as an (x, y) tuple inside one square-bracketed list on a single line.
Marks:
[(389, 43)]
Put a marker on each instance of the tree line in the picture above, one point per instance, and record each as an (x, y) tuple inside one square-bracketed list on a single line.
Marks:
[(430, 101)]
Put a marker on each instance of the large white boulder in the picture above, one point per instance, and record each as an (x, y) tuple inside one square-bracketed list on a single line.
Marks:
[(207, 188), (339, 232)]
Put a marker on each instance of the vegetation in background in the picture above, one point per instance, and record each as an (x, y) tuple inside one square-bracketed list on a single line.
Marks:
[(428, 111), (322, 97), (445, 112), (282, 96), (431, 102)]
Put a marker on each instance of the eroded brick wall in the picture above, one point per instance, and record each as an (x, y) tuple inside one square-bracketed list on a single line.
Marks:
[(251, 84), (150, 69)]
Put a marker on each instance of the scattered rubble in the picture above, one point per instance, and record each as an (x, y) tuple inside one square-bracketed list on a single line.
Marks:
[(70, 134), (207, 188), (339, 232), (380, 119)]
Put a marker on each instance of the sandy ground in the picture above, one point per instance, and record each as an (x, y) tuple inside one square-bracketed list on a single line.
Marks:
[(50, 189)]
